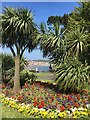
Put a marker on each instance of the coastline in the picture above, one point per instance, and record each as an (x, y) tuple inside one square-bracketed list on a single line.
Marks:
[(37, 63)]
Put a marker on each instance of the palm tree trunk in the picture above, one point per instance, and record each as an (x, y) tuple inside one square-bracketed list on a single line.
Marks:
[(17, 87)]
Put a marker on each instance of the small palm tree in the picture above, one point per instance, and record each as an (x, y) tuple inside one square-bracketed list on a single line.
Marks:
[(19, 33), (72, 75)]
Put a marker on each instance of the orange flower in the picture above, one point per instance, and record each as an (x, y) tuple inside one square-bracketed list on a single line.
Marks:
[(58, 95), (26, 85)]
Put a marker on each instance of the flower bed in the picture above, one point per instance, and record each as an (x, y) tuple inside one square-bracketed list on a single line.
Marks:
[(40, 101)]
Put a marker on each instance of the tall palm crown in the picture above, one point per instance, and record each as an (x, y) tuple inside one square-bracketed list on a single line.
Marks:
[(18, 29), (51, 39), (76, 40)]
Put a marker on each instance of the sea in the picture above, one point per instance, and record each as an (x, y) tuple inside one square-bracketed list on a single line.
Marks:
[(40, 68)]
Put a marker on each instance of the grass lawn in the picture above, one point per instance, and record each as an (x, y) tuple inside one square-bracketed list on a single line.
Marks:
[(45, 77), (7, 112), (44, 74)]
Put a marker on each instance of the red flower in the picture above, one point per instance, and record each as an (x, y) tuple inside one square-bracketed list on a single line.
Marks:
[(35, 99), (78, 97), (40, 105), (83, 101), (52, 98), (42, 102), (12, 96), (35, 104), (76, 104), (2, 86), (72, 100), (69, 106), (18, 98), (62, 108), (69, 97), (28, 93)]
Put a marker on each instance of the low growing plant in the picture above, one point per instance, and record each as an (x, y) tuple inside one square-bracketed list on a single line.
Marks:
[(25, 76)]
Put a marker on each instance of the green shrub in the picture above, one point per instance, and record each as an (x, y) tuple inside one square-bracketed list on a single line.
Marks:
[(8, 75), (25, 76), (72, 75)]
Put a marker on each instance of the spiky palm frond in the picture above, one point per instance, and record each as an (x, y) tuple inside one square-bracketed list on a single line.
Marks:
[(72, 75), (76, 40), (19, 29)]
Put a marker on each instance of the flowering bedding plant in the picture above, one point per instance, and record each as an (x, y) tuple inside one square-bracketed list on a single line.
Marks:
[(40, 101)]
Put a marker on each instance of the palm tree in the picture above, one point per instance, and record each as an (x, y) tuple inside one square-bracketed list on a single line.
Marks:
[(72, 75), (76, 39), (51, 40), (18, 34)]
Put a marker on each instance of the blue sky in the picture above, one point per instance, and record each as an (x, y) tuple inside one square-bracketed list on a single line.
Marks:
[(41, 11)]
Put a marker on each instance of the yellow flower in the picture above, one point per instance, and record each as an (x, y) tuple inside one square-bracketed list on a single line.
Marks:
[(85, 109), (62, 114), (52, 116), (44, 114), (84, 113), (35, 110), (74, 116), (32, 112), (76, 113), (20, 110), (19, 106)]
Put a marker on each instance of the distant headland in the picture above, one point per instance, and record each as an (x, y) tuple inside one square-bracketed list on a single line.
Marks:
[(38, 63)]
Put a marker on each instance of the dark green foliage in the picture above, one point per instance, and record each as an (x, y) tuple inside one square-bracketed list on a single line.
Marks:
[(7, 67), (7, 61), (72, 75), (81, 16), (25, 76), (76, 40), (32, 77), (63, 20)]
